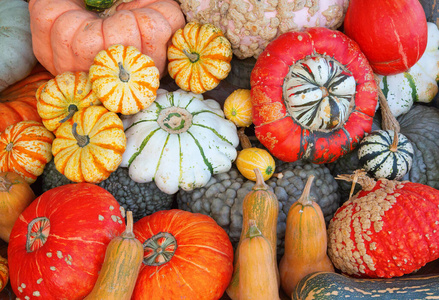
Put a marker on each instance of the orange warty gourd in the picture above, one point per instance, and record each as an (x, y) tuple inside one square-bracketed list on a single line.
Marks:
[(66, 36), (118, 275), (15, 195), (4, 272), (305, 241)]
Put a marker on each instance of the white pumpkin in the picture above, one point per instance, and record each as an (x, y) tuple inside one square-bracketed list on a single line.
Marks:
[(179, 142), (250, 25), (419, 84), (16, 55)]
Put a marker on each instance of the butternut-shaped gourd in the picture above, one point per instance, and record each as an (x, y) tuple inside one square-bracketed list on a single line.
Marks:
[(305, 241), (261, 205), (121, 266), (257, 275)]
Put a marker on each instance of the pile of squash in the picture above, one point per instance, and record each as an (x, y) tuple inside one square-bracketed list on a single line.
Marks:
[(86, 84)]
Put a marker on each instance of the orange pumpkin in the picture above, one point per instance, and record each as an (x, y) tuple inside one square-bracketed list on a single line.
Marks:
[(18, 102), (4, 272), (67, 37)]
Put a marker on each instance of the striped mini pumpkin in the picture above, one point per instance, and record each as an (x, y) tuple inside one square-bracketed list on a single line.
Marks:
[(379, 159), (319, 91), (250, 158)]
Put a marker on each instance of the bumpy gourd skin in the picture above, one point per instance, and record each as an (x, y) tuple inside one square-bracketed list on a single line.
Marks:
[(141, 198), (222, 197)]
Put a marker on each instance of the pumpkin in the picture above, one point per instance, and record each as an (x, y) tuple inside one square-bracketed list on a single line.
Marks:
[(262, 206), (238, 108), (15, 195), (89, 147), (98, 5), (58, 244), (186, 255), (4, 272), (124, 79), (199, 57), (25, 148), (257, 271), (62, 96), (388, 229), (67, 37), (250, 26), (17, 58), (418, 84), (18, 102), (305, 241), (313, 95), (179, 142), (391, 46), (123, 258)]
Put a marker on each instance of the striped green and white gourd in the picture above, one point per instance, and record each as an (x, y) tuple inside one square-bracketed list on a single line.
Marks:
[(318, 92), (179, 141), (382, 158)]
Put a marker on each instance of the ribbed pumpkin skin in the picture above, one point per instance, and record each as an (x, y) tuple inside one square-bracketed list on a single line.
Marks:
[(67, 230), (60, 95), (25, 148), (201, 266), (238, 108), (305, 244), (388, 230), (4, 272), (18, 102), (124, 79), (253, 157), (15, 195), (118, 275), (102, 154), (260, 205), (211, 63)]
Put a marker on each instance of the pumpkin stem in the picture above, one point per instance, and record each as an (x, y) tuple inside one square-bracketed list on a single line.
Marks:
[(260, 184), (360, 177), (305, 198), (82, 140), (243, 139), (9, 146), (72, 109), (5, 184), (124, 76), (128, 233), (193, 57), (394, 146), (112, 10), (253, 230), (389, 121)]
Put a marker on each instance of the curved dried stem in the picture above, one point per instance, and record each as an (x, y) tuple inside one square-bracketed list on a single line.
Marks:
[(360, 177), (389, 121)]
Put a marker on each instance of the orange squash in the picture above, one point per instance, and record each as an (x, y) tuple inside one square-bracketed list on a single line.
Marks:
[(261, 205), (118, 275), (305, 241), (15, 195), (238, 108), (257, 274), (4, 272)]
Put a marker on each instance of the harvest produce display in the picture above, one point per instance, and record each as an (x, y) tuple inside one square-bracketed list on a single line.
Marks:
[(219, 150)]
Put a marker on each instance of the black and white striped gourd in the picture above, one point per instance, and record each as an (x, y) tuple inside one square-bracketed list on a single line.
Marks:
[(382, 158)]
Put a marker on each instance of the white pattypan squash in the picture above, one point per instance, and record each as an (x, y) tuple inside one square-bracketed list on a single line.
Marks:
[(419, 84), (179, 142)]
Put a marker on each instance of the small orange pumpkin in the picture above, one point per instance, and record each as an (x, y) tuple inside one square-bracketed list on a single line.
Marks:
[(238, 108)]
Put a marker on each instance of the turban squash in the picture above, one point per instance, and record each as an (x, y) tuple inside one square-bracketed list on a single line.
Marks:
[(67, 37), (313, 95)]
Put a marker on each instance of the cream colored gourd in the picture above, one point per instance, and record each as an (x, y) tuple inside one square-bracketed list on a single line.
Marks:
[(120, 268), (305, 241)]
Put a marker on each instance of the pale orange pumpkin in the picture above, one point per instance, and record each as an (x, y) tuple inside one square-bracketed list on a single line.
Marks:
[(25, 148), (124, 79), (67, 37), (199, 57)]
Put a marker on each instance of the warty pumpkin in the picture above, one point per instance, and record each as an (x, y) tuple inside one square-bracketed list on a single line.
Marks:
[(199, 57), (388, 229), (124, 79), (62, 96), (305, 241), (25, 148), (88, 147), (118, 275), (15, 195), (313, 94), (18, 101), (67, 37), (4, 272)]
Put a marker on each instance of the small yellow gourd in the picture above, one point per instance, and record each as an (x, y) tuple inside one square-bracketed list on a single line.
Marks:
[(257, 275), (121, 266), (305, 241), (238, 108)]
